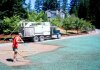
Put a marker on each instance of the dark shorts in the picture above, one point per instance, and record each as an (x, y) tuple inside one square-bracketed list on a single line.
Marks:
[(15, 49)]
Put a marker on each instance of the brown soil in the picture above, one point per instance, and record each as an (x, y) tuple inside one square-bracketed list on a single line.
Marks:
[(6, 53), (5, 38)]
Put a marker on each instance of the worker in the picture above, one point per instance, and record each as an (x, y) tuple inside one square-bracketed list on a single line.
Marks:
[(17, 39)]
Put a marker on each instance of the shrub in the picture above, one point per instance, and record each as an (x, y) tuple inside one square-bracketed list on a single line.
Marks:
[(67, 24), (11, 24), (6, 31), (87, 26), (56, 22), (77, 24), (39, 17)]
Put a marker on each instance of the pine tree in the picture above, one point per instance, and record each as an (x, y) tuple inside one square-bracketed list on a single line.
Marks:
[(50, 5), (94, 13), (39, 5), (74, 7), (9, 8), (64, 5)]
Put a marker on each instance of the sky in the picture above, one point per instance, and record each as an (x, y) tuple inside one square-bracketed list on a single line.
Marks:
[(32, 3)]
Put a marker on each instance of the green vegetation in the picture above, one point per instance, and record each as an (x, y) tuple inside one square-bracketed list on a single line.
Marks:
[(57, 21), (18, 10), (74, 23), (9, 24), (68, 23), (50, 5), (9, 8), (87, 9), (39, 17)]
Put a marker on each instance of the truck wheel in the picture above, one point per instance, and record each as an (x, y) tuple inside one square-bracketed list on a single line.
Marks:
[(41, 38), (58, 36), (35, 39)]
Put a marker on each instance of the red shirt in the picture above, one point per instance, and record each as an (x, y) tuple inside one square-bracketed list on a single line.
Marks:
[(15, 41)]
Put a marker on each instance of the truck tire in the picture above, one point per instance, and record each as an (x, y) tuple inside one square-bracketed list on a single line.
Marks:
[(41, 38), (35, 38), (58, 36)]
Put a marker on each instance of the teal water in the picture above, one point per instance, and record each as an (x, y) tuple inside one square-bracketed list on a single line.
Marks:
[(82, 53)]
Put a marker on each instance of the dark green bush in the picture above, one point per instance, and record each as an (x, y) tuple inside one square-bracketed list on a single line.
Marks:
[(78, 24), (11, 24)]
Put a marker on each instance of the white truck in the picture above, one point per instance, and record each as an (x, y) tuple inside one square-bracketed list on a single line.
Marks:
[(38, 31)]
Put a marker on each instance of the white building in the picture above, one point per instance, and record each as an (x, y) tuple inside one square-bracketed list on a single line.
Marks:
[(53, 14)]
